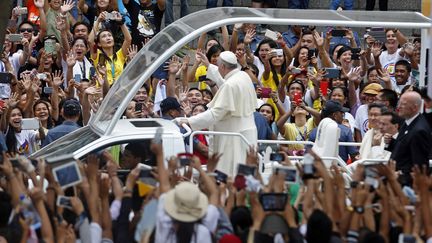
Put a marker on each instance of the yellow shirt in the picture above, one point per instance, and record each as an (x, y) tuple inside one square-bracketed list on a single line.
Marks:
[(112, 67), (294, 133), (270, 83), (201, 71)]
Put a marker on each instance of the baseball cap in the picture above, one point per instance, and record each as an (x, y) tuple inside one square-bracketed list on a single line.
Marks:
[(332, 106), (372, 89), (71, 107), (169, 103)]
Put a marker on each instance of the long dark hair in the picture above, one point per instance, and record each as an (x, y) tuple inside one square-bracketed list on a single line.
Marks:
[(185, 231), (275, 74), (296, 59), (270, 42), (11, 141), (103, 57)]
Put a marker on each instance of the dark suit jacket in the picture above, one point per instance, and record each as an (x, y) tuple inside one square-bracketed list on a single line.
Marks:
[(412, 146)]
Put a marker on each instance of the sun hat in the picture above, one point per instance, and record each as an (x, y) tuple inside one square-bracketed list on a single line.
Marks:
[(186, 203), (372, 89)]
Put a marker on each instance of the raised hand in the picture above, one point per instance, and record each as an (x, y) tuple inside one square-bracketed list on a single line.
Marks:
[(355, 74), (58, 78), (13, 100), (67, 6), (132, 51), (203, 57), (319, 40), (250, 34), (376, 49), (60, 23), (185, 64), (174, 65), (70, 58), (384, 75), (39, 3), (116, 16)]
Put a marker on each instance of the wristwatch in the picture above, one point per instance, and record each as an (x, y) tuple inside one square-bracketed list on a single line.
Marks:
[(359, 209)]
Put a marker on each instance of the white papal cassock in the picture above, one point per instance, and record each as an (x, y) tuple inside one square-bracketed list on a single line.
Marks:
[(231, 110)]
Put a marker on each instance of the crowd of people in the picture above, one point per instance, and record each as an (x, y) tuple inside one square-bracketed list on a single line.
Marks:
[(57, 68)]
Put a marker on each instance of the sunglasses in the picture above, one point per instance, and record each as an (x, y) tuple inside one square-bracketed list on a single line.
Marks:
[(29, 30)]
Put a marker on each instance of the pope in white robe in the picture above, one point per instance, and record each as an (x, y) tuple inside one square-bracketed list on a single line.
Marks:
[(231, 110)]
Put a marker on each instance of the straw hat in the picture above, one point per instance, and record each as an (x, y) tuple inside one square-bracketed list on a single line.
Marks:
[(186, 203)]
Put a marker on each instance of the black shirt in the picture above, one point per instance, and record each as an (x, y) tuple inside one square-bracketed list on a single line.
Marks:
[(145, 20)]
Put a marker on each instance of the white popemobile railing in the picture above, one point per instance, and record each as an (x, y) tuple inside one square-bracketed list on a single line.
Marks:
[(340, 161)]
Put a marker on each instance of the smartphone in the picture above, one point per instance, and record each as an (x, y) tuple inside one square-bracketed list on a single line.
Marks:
[(48, 90), (312, 53), (221, 177), (265, 92), (67, 175), (246, 170), (92, 72), (15, 163), (15, 37), (49, 45), (273, 201), (65, 202), (404, 238), (277, 157), (324, 87), (202, 78), (271, 34), (184, 158), (239, 182), (355, 53), (158, 136), (296, 70), (29, 124), (291, 173), (332, 73), (22, 11), (297, 98), (338, 33), (308, 166), (77, 78), (122, 175), (41, 76), (5, 78), (138, 107), (279, 52), (109, 16), (371, 171)]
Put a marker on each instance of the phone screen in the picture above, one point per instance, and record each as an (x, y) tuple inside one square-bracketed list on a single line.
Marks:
[(273, 201), (246, 170), (276, 157), (265, 92)]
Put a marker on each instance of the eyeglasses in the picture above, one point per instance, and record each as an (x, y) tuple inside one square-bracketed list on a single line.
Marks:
[(29, 30)]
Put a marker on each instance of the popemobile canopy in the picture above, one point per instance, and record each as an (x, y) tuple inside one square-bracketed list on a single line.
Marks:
[(181, 32)]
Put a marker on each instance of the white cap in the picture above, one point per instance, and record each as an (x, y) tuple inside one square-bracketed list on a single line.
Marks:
[(228, 57)]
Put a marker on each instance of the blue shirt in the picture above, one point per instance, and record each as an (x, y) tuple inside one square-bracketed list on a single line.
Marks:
[(290, 38), (59, 131), (263, 128), (345, 136)]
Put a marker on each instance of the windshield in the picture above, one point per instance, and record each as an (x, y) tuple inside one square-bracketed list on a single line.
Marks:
[(68, 144), (181, 32)]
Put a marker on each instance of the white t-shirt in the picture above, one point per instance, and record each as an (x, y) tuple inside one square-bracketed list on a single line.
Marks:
[(362, 120), (26, 141), (257, 62), (351, 121), (14, 60), (388, 61), (165, 232)]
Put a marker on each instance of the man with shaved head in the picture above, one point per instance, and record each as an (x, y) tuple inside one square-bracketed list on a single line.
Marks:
[(414, 142)]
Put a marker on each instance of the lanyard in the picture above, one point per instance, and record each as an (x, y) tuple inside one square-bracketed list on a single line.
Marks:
[(83, 69), (304, 135), (112, 69)]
